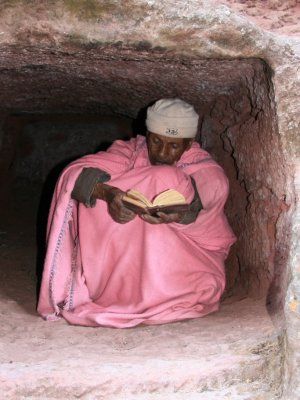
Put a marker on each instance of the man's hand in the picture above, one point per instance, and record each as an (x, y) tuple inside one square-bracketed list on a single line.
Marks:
[(113, 197), (162, 218), (116, 207)]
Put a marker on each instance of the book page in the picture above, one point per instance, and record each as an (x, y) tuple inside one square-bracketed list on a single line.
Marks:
[(169, 197), (136, 197)]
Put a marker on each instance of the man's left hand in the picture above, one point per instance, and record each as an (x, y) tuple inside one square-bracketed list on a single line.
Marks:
[(162, 218)]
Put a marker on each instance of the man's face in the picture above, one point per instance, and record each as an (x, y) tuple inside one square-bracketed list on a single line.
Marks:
[(166, 150)]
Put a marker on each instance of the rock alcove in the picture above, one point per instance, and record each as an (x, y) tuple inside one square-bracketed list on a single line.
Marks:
[(63, 105), (58, 105)]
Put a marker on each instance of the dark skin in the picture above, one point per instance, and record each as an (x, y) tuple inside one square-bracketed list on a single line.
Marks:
[(161, 150)]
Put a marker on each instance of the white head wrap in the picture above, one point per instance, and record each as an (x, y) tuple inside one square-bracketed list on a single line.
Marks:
[(172, 118)]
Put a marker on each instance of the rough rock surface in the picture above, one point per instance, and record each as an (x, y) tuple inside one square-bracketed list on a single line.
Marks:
[(278, 16), (237, 61)]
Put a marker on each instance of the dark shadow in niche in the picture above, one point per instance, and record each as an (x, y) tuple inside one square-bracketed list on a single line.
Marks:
[(276, 293), (106, 144), (139, 124)]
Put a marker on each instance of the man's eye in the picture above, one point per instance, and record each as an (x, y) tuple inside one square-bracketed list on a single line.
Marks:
[(155, 141), (174, 146)]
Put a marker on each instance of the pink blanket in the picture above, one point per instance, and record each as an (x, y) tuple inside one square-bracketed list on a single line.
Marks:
[(99, 272)]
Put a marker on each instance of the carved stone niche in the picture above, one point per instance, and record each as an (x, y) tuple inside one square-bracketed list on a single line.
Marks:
[(74, 100)]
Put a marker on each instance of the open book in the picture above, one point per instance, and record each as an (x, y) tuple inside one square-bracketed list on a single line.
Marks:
[(169, 201)]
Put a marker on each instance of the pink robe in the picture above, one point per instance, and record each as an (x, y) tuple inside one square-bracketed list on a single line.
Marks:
[(99, 272)]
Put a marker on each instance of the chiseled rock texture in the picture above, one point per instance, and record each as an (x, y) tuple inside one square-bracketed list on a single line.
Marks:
[(236, 61)]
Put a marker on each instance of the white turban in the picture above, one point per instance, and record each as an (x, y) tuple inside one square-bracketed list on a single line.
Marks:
[(172, 118)]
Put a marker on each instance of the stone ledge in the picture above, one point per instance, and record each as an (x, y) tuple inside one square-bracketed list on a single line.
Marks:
[(230, 353)]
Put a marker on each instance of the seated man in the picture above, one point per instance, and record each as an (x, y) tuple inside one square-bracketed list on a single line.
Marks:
[(107, 266)]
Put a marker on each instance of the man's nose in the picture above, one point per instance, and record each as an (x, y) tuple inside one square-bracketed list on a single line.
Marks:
[(163, 153)]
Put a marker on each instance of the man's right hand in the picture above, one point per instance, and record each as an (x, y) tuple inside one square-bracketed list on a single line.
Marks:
[(113, 197)]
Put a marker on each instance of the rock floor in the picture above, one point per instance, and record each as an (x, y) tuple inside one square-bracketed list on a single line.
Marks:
[(231, 354)]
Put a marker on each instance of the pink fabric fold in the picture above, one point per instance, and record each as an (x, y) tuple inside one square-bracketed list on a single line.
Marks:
[(101, 273)]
